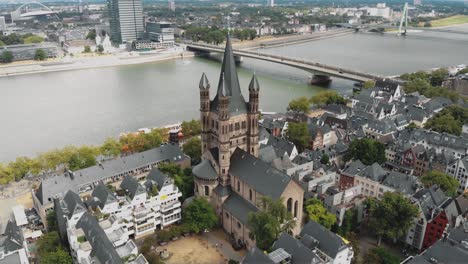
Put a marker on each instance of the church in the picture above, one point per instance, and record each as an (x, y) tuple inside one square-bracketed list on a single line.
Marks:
[(231, 176)]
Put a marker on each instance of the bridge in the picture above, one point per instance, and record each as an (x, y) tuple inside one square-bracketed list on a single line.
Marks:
[(321, 72), (31, 9)]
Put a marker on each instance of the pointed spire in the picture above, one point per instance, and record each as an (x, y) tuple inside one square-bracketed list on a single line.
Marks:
[(204, 83), (254, 86)]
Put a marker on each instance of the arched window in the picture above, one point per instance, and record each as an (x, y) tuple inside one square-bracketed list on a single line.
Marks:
[(196, 188), (295, 209), (250, 194), (289, 205), (238, 186), (207, 190)]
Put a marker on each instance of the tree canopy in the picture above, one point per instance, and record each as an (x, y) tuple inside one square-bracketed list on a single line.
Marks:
[(50, 250), (429, 84), (367, 151), (6, 56), (317, 212), (111, 147), (266, 224), (450, 120), (380, 255), (191, 128), (391, 216), (298, 133), (33, 39), (200, 215), (326, 98), (300, 104), (183, 178), (40, 55), (447, 183), (193, 148)]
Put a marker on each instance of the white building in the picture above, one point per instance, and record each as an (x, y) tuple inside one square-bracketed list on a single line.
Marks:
[(381, 10), (13, 248), (459, 170)]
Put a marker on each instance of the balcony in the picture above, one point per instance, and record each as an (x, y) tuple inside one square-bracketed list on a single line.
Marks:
[(165, 208)]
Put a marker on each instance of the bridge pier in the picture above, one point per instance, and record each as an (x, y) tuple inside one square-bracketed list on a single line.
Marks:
[(320, 79)]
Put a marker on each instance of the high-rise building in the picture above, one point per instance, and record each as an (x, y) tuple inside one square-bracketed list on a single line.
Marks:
[(417, 2), (126, 20), (160, 31), (271, 3), (2, 23), (172, 5)]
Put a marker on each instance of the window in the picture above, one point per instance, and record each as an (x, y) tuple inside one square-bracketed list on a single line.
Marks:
[(238, 186), (227, 215), (237, 126), (230, 128), (289, 205), (295, 209), (207, 190), (239, 225), (250, 194)]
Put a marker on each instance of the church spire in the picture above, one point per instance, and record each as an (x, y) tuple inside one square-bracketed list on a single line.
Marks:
[(204, 83)]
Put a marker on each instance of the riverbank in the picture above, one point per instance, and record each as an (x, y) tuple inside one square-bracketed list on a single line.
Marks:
[(87, 62), (448, 21)]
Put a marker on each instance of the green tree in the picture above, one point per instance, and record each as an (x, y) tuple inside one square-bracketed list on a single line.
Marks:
[(59, 256), (183, 178), (6, 174), (325, 159), (51, 221), (317, 212), (266, 224), (100, 48), (193, 148), (6, 56), (350, 222), (439, 76), (47, 243), (111, 148), (33, 39), (87, 49), (40, 55), (326, 98), (447, 183), (84, 157), (200, 215), (449, 120), (380, 255), (2, 43), (300, 104), (22, 166), (367, 151), (460, 72), (427, 24), (298, 134), (368, 84), (412, 125), (191, 128), (91, 35), (391, 216)]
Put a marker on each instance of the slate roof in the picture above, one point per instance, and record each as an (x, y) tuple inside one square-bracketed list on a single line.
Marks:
[(267, 153), (403, 183), (430, 199), (383, 127), (132, 187), (157, 177), (299, 252), (355, 167), (229, 84), (386, 85), (256, 256), (239, 207), (103, 249), (13, 239), (433, 138), (222, 191), (11, 259), (204, 170), (281, 146), (103, 195), (258, 174), (58, 185), (263, 134), (374, 172), (329, 242)]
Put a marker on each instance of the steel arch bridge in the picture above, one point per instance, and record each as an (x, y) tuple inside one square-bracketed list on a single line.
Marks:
[(31, 9)]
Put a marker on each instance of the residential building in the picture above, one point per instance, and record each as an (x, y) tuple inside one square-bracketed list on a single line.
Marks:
[(314, 245), (271, 3), (338, 202), (436, 213), (13, 247), (126, 20), (110, 171), (172, 5), (230, 175), (459, 171)]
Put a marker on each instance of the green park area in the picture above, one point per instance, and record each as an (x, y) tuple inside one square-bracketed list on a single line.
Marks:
[(449, 21)]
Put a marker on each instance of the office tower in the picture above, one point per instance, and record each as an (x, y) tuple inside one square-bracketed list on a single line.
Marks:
[(126, 20)]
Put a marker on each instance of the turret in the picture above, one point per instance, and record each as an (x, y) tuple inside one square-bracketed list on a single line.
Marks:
[(204, 87), (254, 88), (252, 116)]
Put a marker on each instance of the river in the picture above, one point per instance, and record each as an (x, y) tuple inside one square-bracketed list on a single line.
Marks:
[(43, 111)]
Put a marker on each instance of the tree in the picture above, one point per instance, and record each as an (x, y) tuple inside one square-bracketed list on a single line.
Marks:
[(325, 159), (6, 175), (368, 151), (111, 148), (439, 76), (460, 72), (2, 43), (87, 49), (266, 224), (300, 104), (449, 120), (91, 35), (350, 222), (59, 256), (447, 183), (183, 178), (412, 125), (191, 128), (200, 215), (33, 39), (317, 212), (40, 55), (298, 134), (391, 216), (380, 255), (368, 84), (427, 24), (6, 56), (193, 148), (51, 221), (84, 157), (100, 48), (326, 98), (49, 242)]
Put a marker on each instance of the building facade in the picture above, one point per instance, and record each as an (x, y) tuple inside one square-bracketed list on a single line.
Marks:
[(126, 20)]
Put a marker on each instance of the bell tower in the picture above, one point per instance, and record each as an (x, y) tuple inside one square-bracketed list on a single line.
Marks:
[(204, 87), (252, 117)]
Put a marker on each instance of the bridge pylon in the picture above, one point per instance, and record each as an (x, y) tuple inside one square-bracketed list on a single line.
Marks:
[(404, 19)]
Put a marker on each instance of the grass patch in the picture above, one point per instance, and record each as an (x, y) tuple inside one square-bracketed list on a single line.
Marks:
[(448, 21)]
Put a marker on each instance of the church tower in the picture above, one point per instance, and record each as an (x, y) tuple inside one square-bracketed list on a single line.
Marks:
[(228, 122)]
